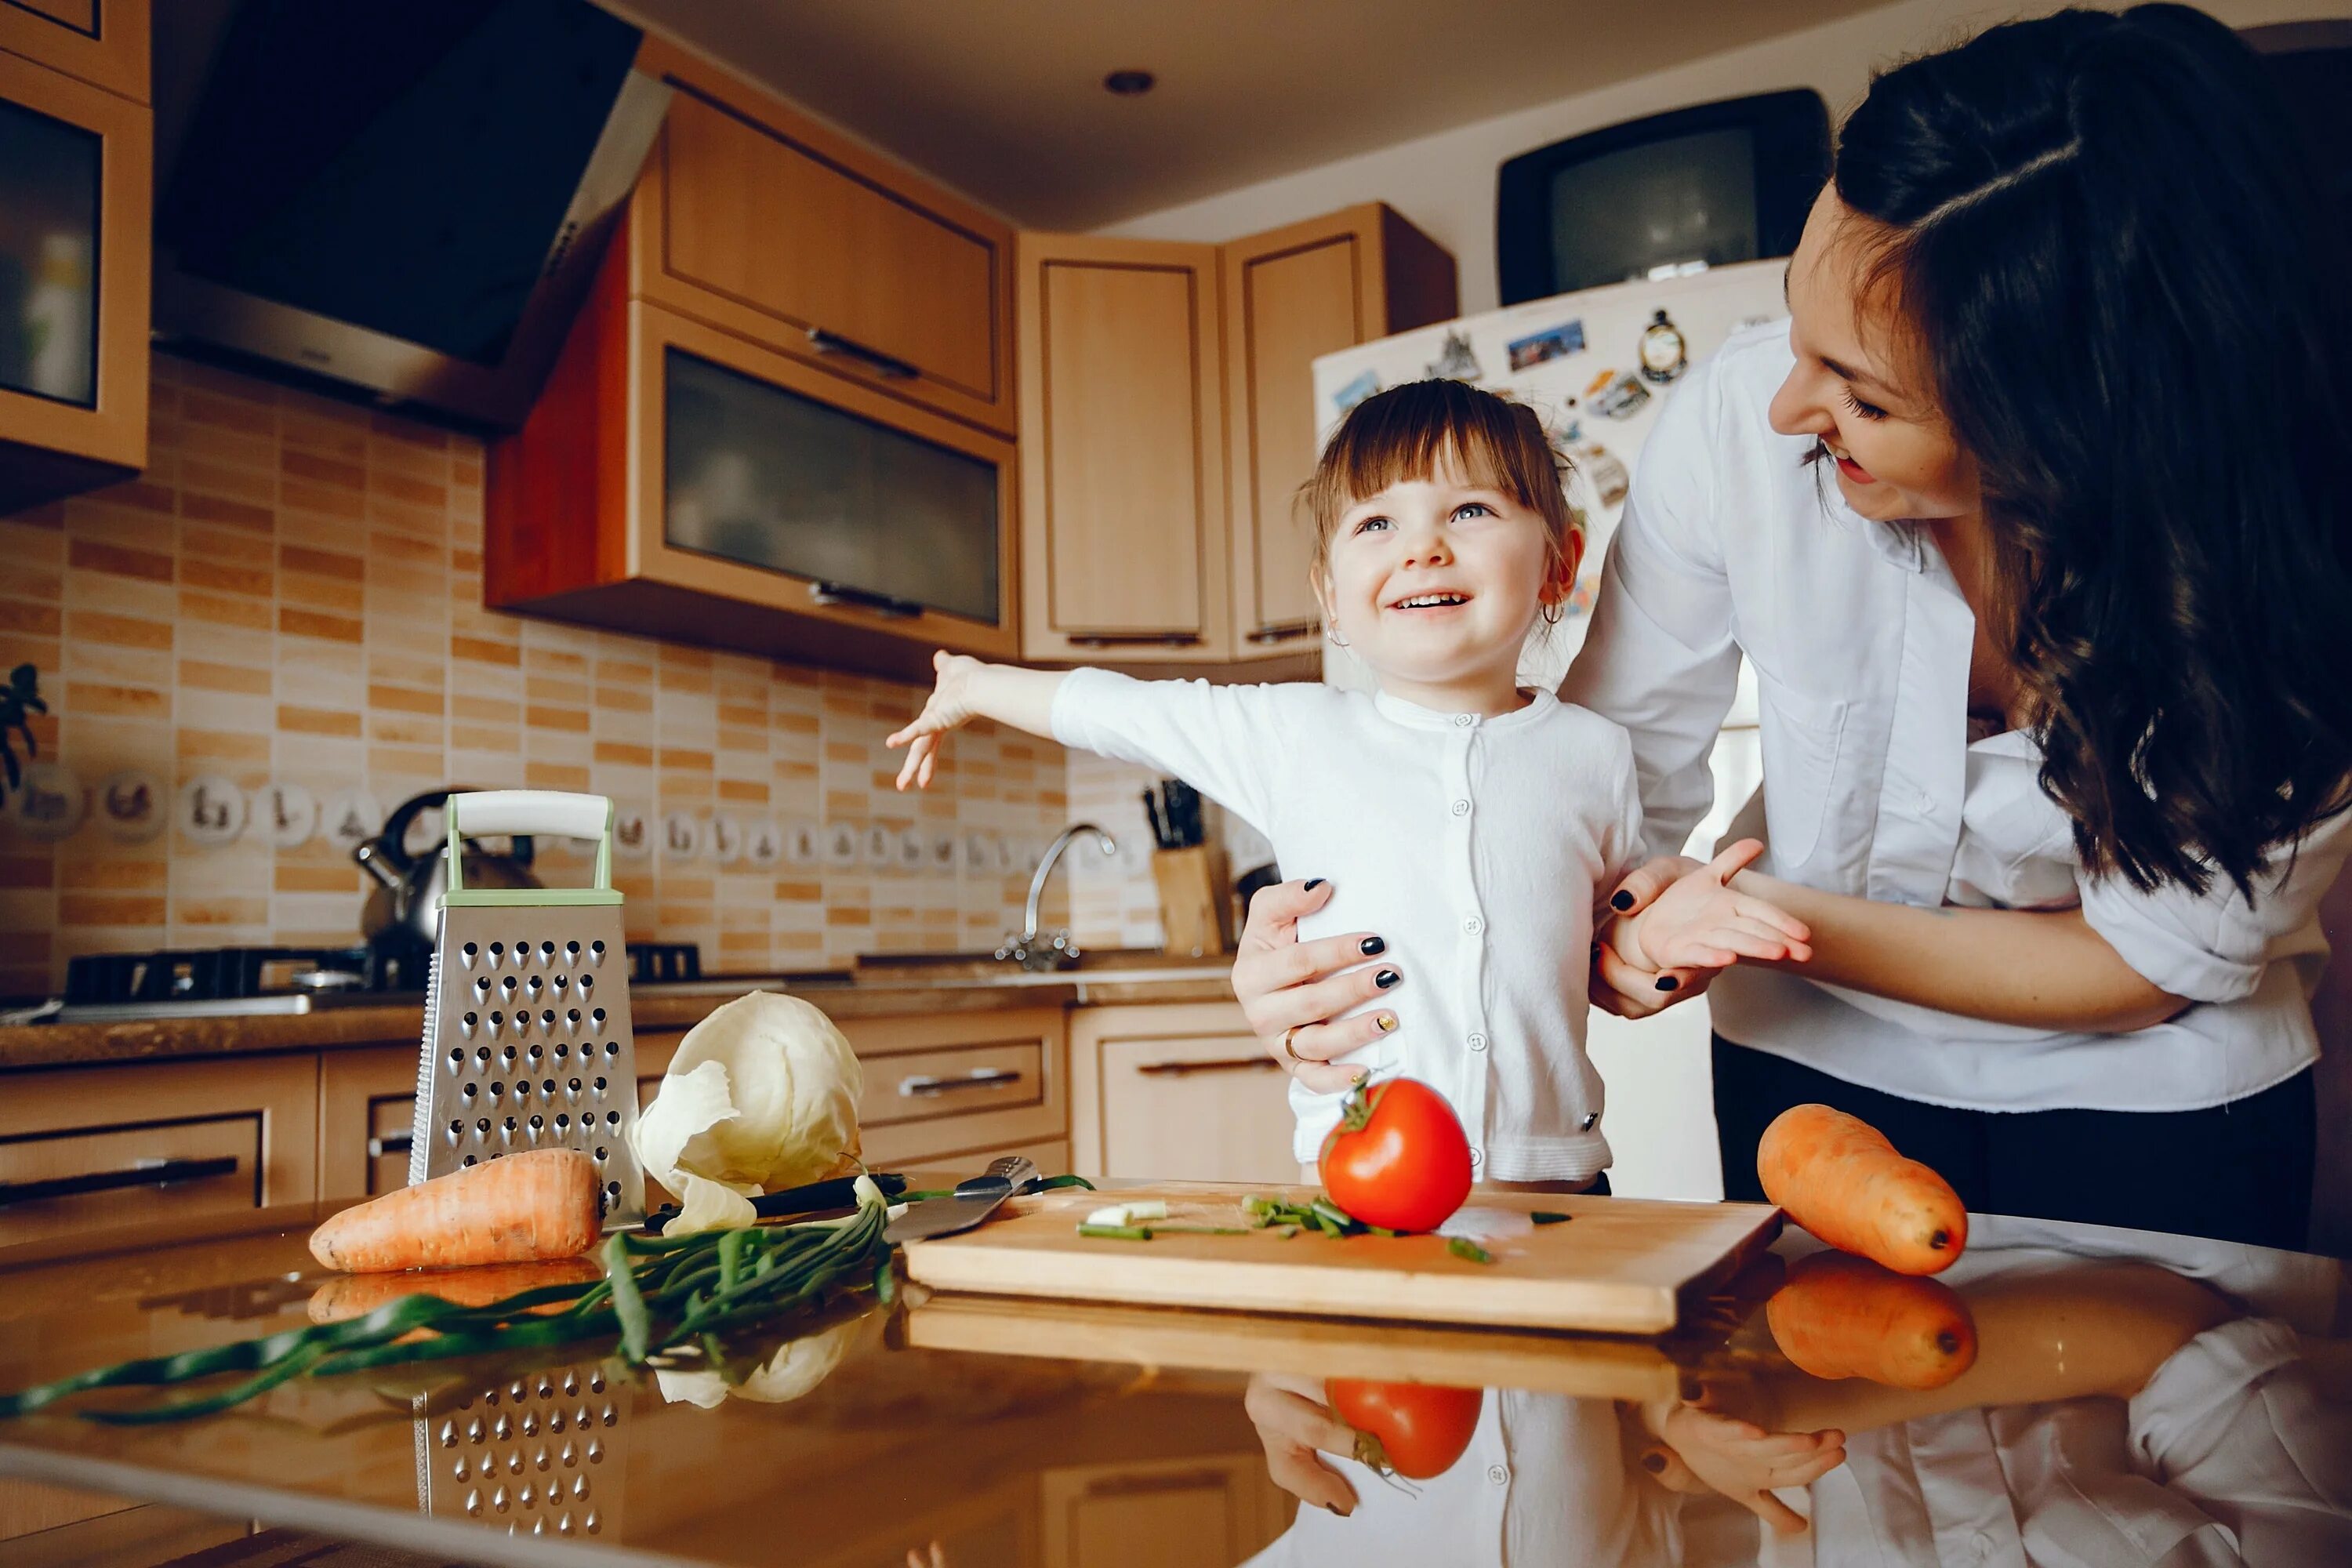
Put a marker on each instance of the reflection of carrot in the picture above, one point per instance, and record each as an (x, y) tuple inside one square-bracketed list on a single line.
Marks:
[(540, 1203), (1839, 1177), (1840, 1316), (356, 1295)]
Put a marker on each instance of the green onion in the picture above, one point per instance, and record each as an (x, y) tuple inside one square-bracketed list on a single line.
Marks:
[(1463, 1246), (1546, 1216)]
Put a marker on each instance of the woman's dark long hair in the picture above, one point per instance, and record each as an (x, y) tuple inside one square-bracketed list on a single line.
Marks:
[(2107, 244)]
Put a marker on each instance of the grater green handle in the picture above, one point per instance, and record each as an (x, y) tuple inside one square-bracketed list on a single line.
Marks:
[(511, 812)]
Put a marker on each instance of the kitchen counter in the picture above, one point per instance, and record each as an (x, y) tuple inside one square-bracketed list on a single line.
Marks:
[(891, 990), (986, 1434)]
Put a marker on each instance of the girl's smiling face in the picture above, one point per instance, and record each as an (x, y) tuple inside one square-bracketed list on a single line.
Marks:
[(1434, 584), (1855, 389)]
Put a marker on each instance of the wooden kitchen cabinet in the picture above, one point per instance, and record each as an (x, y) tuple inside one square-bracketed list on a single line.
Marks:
[(1291, 295), (367, 1104), (1177, 1092), (763, 223), (1122, 451), (75, 216), (101, 42), (686, 483), (1168, 419), (1205, 1512), (87, 1148)]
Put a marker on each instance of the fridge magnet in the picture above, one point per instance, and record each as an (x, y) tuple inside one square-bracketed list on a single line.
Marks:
[(1552, 342), (1616, 394), (1456, 361), (1663, 353), (1355, 392), (50, 801), (130, 806), (1604, 470), (286, 815), (211, 810)]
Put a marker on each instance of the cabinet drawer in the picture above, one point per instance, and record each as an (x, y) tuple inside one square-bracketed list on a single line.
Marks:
[(927, 1084), (764, 225), (87, 1151), (1178, 1093)]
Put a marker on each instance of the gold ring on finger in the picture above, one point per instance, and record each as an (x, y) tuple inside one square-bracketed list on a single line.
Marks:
[(1289, 1050)]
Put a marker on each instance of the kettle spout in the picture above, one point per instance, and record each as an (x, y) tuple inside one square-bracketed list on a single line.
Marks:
[(371, 857)]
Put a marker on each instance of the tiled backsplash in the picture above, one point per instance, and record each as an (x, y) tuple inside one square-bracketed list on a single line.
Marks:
[(290, 596)]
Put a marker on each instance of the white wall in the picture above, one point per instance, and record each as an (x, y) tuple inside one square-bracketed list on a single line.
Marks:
[(1445, 183)]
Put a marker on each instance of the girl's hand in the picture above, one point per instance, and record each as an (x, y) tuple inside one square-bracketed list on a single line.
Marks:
[(949, 707), (1702, 1447), (1285, 985), (1626, 989), (1699, 922), (1293, 1422)]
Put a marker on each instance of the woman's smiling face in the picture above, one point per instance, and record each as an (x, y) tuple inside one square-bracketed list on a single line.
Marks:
[(1855, 390)]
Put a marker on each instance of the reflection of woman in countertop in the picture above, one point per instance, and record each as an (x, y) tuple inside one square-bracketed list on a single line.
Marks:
[(2036, 523), (2118, 1413)]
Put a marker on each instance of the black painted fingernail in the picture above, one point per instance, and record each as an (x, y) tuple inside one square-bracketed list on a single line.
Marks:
[(1334, 1507), (1693, 1389), (1386, 978), (1312, 883), (1371, 945), (1668, 982), (1654, 1462), (1621, 899)]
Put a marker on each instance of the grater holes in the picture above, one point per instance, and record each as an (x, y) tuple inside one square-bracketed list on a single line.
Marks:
[(482, 988), (457, 1059), (562, 1122), (575, 1086), (468, 1024), (470, 952), (561, 982), (482, 1054), (547, 1022), (603, 1153), (507, 1054), (497, 1089), (456, 1131), (538, 1125), (612, 1189), (469, 1159), (612, 1048), (497, 1021), (595, 953), (535, 986), (471, 1090), (596, 1019), (600, 1086), (561, 1050), (548, 1090), (537, 1052), (482, 1127), (573, 1018), (547, 952), (587, 984), (498, 954), (612, 1117), (509, 1128), (522, 952), (572, 951)]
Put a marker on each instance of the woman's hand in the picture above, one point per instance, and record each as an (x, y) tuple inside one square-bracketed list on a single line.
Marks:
[(1627, 989), (1700, 922), (1293, 1422), (1702, 1447), (1285, 985)]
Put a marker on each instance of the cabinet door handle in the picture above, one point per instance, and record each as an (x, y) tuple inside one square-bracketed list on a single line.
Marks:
[(390, 1143), (1285, 631), (826, 342), (1220, 1064), (144, 1173), (1136, 639), (839, 595), (920, 1088)]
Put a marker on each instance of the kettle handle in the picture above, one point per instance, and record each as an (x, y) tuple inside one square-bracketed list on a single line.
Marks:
[(535, 812)]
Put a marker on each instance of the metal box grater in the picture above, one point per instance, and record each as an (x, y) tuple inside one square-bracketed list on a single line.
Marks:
[(526, 1037), (540, 1453)]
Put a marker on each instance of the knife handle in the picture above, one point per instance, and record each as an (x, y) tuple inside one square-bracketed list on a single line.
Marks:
[(1007, 1174)]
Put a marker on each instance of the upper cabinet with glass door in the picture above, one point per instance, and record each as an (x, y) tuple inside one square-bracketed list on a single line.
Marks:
[(76, 197)]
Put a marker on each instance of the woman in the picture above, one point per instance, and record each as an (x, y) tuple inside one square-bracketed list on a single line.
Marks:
[(2033, 522)]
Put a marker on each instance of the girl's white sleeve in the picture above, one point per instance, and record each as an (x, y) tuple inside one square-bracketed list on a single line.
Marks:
[(1223, 741), (1659, 657)]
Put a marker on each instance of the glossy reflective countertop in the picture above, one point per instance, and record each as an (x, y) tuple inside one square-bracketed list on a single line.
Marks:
[(2135, 1399)]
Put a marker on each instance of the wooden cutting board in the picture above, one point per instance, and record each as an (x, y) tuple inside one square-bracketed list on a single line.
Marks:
[(1616, 1266)]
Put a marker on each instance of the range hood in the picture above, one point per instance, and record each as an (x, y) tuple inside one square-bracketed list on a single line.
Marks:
[(404, 196)]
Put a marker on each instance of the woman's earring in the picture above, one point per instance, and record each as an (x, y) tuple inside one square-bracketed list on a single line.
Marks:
[(1332, 632)]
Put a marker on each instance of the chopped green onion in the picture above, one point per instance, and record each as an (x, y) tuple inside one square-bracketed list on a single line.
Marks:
[(1463, 1246)]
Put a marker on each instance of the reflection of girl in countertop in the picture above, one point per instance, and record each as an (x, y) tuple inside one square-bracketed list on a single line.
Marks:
[(1471, 818)]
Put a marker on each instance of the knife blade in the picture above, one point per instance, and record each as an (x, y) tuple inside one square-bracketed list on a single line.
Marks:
[(971, 1202), (834, 1193)]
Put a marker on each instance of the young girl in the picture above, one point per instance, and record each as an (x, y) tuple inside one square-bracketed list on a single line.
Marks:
[(1471, 820)]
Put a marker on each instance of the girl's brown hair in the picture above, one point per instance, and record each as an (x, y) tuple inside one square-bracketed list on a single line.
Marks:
[(1412, 432)]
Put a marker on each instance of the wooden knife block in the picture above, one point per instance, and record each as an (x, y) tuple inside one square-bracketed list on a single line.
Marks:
[(1192, 902)]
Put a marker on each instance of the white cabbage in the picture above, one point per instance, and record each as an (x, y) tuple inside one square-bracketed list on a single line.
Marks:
[(761, 1095), (797, 1366)]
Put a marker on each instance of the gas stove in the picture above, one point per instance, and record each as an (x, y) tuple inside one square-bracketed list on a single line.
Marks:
[(249, 982)]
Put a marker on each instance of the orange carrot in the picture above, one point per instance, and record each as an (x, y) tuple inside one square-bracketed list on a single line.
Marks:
[(522, 1207), (1839, 1177), (357, 1295), (1840, 1316)]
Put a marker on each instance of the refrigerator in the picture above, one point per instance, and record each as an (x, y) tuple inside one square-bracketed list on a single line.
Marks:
[(1598, 364)]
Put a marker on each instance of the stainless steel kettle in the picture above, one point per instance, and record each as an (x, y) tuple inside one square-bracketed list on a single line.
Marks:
[(403, 912)]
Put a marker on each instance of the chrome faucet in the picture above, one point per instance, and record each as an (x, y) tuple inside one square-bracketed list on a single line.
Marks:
[(1030, 947)]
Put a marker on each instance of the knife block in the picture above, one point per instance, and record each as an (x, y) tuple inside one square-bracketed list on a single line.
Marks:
[(1193, 907)]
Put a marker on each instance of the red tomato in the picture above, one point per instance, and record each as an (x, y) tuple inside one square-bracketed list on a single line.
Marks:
[(1398, 1158), (1412, 1430)]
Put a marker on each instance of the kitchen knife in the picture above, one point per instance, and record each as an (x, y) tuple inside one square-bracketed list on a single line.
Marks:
[(837, 1192), (970, 1203)]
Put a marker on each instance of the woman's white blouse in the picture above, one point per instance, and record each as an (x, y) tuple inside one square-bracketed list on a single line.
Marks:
[(1473, 846), (1732, 544)]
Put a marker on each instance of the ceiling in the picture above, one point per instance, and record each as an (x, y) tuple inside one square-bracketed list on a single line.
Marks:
[(1003, 98)]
